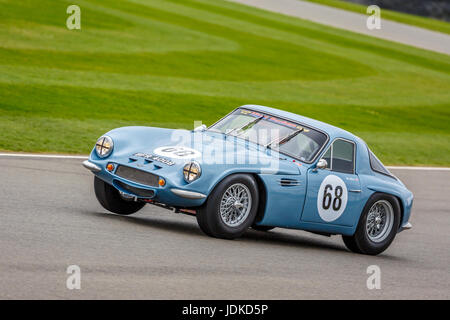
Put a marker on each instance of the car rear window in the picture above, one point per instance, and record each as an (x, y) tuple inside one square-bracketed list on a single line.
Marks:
[(376, 164)]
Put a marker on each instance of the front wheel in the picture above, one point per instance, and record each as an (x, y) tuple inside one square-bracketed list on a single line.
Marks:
[(110, 199), (377, 226), (231, 207)]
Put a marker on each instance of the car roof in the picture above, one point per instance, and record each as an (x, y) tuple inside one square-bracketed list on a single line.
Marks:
[(332, 131)]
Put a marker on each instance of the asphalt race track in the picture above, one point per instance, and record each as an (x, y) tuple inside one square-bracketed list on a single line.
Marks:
[(50, 219), (347, 20)]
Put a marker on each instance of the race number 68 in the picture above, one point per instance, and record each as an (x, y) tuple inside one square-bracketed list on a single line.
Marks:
[(328, 197), (331, 198)]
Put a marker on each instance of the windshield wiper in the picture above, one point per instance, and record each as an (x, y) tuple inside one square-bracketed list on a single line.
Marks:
[(251, 123), (285, 139)]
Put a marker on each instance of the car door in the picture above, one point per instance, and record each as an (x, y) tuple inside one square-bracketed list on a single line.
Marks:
[(333, 192)]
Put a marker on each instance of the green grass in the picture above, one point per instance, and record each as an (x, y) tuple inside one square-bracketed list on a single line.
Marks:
[(423, 22), (168, 63)]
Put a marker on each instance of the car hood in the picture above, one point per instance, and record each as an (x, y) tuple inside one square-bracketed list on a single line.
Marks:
[(170, 148)]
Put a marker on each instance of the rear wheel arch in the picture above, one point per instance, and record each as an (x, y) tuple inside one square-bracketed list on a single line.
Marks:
[(375, 192), (358, 242), (402, 212)]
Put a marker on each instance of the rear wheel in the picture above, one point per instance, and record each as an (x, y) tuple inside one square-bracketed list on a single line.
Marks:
[(377, 226), (110, 199), (350, 243), (231, 207)]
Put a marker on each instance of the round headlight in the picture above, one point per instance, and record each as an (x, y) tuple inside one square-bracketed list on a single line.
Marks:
[(191, 171), (104, 146)]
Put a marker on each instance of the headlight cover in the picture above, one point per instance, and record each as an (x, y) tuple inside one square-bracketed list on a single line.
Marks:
[(191, 171), (104, 146)]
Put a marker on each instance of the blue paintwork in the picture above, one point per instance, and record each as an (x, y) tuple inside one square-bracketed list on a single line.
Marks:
[(290, 207)]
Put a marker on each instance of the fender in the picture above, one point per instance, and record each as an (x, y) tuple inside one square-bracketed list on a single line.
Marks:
[(285, 168), (405, 199)]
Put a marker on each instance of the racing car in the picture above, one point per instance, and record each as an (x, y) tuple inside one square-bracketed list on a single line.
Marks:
[(258, 167)]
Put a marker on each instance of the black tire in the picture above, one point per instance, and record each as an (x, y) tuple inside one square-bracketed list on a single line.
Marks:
[(360, 241), (209, 218), (110, 199), (350, 243), (262, 228)]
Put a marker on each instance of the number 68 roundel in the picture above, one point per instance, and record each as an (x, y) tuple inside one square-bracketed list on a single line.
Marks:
[(332, 198)]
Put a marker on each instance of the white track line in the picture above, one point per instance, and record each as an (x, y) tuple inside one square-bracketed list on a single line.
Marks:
[(56, 156), (45, 156), (419, 168)]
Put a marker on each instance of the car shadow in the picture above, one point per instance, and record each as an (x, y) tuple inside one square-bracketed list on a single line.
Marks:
[(277, 236), (180, 226), (299, 239)]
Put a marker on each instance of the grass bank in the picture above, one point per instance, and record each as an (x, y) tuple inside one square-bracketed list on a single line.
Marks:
[(168, 63)]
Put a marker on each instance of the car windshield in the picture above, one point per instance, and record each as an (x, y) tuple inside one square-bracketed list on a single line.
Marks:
[(285, 136)]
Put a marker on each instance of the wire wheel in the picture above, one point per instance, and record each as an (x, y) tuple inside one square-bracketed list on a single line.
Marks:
[(235, 205), (380, 221)]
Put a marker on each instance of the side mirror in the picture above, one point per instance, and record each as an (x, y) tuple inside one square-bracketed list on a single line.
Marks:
[(200, 128), (322, 164)]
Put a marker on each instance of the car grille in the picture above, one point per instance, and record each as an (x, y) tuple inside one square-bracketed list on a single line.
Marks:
[(137, 176), (136, 191)]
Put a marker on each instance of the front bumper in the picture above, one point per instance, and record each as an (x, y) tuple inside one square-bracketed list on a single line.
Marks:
[(188, 194), (91, 166), (169, 194)]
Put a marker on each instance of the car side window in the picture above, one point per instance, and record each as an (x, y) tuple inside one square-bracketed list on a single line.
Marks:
[(327, 156), (340, 156)]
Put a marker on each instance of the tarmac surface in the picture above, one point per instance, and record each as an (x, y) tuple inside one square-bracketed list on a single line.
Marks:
[(50, 219), (352, 21)]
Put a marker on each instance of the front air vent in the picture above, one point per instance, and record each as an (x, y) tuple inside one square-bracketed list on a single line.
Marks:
[(137, 176), (144, 193), (285, 182)]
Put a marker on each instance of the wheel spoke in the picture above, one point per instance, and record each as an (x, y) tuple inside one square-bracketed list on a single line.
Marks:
[(379, 221), (235, 204)]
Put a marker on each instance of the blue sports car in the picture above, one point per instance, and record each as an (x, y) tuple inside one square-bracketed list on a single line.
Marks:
[(257, 167)]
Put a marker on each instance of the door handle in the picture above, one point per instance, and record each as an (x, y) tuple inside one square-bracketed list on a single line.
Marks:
[(354, 190)]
